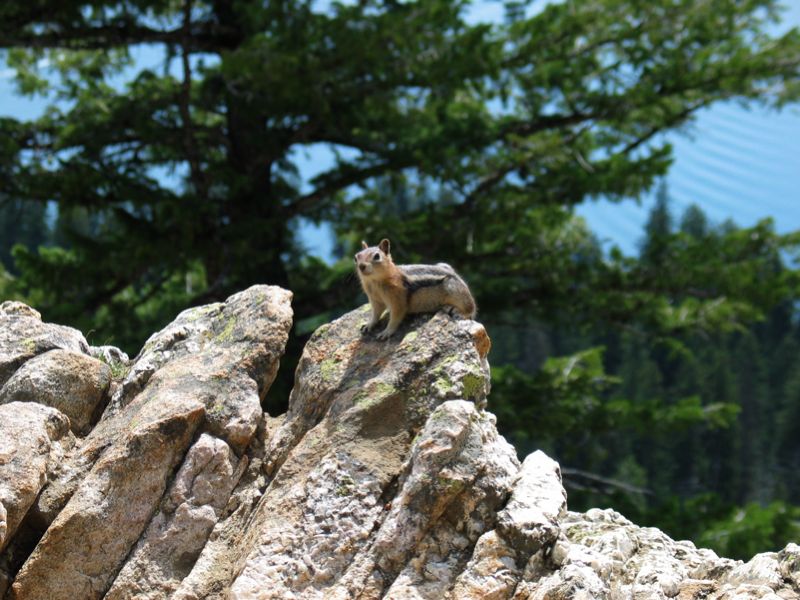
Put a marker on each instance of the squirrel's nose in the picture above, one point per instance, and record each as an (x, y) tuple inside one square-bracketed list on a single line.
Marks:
[(362, 267)]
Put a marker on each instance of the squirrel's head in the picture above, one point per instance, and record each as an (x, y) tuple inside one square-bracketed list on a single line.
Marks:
[(372, 260)]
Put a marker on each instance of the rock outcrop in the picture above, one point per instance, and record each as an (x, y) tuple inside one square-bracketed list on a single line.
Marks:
[(162, 476), (74, 383), (178, 422), (32, 439)]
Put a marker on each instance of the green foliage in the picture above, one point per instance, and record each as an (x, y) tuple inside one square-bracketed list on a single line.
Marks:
[(21, 222), (564, 396), (7, 287), (502, 124), (752, 529), (180, 183)]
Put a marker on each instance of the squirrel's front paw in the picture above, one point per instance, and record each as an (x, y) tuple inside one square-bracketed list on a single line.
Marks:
[(384, 335), (368, 327)]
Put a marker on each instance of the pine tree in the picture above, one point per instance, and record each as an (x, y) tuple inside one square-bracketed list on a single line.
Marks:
[(694, 222), (657, 230), (21, 222)]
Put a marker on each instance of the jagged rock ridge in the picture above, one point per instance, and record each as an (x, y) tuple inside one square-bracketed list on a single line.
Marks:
[(162, 477)]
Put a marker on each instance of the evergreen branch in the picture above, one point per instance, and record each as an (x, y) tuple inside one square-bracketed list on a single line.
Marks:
[(205, 37), (544, 123), (486, 184), (668, 124), (601, 483), (335, 184)]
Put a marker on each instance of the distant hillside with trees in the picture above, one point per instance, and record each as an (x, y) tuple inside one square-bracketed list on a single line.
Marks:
[(697, 434)]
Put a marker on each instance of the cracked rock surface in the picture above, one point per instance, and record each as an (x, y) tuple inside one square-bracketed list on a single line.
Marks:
[(143, 490), (386, 478), (600, 554)]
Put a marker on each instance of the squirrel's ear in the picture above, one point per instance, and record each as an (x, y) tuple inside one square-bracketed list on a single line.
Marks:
[(364, 245), (384, 246)]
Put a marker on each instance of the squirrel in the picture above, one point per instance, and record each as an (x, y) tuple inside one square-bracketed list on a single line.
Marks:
[(405, 289)]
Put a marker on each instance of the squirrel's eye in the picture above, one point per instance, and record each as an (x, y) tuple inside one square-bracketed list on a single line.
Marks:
[(377, 256)]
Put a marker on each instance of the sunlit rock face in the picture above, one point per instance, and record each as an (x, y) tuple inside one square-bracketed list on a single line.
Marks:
[(162, 476), (146, 485)]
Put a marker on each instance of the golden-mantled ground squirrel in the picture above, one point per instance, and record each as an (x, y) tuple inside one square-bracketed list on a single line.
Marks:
[(407, 289)]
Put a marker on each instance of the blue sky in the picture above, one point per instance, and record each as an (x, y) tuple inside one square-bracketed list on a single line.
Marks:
[(735, 162)]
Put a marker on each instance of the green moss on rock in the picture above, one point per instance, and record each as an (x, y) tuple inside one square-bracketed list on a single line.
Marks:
[(375, 394), (202, 311), (227, 331), (327, 369), (443, 385), (410, 337), (322, 330), (473, 386)]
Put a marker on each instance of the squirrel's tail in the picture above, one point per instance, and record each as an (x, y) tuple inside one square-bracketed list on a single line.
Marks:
[(462, 298)]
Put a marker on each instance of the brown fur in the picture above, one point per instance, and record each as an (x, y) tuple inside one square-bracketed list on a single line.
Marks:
[(407, 288)]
